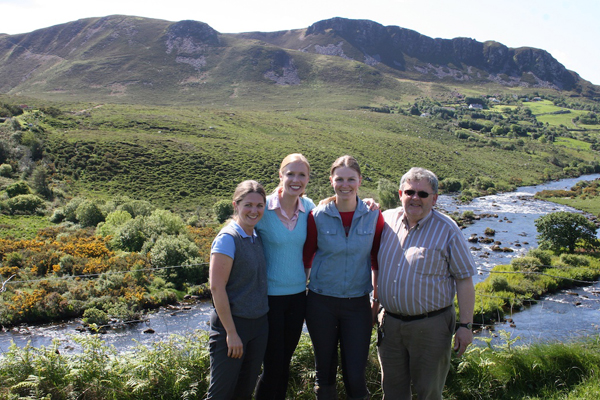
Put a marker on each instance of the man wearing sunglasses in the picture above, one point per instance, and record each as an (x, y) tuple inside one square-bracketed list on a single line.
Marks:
[(423, 262)]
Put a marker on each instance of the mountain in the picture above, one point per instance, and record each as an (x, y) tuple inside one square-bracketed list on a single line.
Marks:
[(422, 57), (132, 59)]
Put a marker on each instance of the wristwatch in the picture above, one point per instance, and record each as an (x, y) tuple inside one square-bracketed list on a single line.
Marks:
[(468, 325)]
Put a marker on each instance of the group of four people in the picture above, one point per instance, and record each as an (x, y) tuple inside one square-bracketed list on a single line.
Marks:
[(401, 267)]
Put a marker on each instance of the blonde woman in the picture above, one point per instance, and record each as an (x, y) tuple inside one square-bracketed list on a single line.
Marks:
[(283, 232)]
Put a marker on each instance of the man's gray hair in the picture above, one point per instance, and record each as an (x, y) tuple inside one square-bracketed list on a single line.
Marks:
[(418, 174)]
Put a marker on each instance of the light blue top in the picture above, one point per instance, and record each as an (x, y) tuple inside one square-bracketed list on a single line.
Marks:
[(283, 250), (224, 243), (342, 264)]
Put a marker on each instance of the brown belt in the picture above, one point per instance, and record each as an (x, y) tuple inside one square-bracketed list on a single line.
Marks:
[(407, 318)]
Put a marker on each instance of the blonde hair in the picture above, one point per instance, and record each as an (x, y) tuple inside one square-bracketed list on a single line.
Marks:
[(290, 158)]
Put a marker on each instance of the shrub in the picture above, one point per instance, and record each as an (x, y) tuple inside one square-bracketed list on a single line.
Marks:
[(484, 183), (71, 207), (574, 260), (223, 209), (57, 216), (175, 251), (388, 194), (137, 208), (451, 185), (164, 222), (6, 170), (40, 182), (66, 263), (88, 214), (124, 312), (499, 283), (172, 250), (526, 264), (194, 220), (467, 195), (13, 259), (131, 235), (544, 256), (468, 215), (17, 188), (489, 232), (112, 222), (24, 203), (95, 316)]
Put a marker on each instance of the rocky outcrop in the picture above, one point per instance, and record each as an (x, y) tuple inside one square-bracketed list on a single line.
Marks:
[(457, 58), (124, 55)]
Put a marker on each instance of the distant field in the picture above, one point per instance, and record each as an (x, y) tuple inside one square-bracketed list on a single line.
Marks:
[(544, 112), (572, 143), (590, 205)]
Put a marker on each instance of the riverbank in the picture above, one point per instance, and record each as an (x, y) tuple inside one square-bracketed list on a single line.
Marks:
[(512, 218), (178, 368)]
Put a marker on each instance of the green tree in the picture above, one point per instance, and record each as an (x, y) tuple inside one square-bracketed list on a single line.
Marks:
[(451, 185), (565, 230), (223, 209), (40, 182), (131, 235), (17, 188), (70, 208), (137, 207), (89, 214), (112, 222), (179, 252), (388, 194), (25, 204), (6, 170)]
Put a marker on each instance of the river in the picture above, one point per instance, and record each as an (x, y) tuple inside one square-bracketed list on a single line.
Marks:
[(562, 316)]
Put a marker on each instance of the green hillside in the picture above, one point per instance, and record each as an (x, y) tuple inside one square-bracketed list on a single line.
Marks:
[(177, 113), (189, 157)]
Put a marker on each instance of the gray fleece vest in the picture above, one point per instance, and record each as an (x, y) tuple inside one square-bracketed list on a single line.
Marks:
[(247, 284)]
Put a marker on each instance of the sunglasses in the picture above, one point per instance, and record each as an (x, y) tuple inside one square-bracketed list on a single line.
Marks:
[(422, 194)]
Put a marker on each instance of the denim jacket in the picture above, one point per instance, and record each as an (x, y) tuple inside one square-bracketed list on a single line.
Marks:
[(342, 264)]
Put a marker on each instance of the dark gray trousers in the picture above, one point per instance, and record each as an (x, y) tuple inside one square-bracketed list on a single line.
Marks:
[(235, 378)]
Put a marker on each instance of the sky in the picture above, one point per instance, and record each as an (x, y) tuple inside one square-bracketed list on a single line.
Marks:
[(567, 29)]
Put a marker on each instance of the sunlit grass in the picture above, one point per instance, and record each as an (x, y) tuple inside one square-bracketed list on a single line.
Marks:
[(179, 368), (590, 205), (572, 143), (22, 226)]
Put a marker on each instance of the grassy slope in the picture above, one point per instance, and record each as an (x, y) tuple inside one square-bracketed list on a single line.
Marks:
[(192, 156), (589, 205)]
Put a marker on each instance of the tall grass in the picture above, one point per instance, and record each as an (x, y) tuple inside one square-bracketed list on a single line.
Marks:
[(179, 369)]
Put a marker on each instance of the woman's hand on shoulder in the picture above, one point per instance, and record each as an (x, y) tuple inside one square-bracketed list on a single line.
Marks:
[(371, 204)]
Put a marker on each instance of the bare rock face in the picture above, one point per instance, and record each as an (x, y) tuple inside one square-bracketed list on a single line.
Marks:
[(283, 70), (190, 37), (458, 58), (190, 40)]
